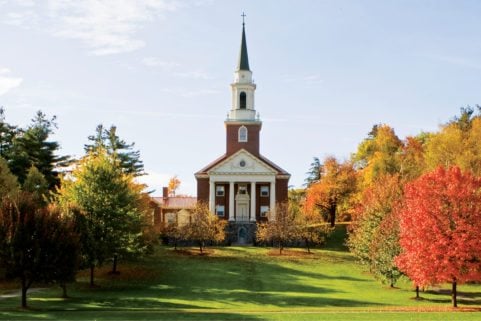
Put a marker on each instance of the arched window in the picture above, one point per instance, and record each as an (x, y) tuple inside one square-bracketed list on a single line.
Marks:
[(242, 134), (243, 100)]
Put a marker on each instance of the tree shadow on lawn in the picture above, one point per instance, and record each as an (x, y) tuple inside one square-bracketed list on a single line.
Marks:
[(464, 298), (249, 282)]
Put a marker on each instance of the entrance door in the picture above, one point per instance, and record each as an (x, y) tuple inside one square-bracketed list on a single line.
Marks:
[(242, 212), (242, 239)]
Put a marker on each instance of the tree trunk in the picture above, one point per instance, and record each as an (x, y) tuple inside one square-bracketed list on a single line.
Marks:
[(114, 265), (417, 292), (307, 245), (64, 290), (92, 267), (24, 292), (392, 280), (332, 215), (201, 245), (454, 294)]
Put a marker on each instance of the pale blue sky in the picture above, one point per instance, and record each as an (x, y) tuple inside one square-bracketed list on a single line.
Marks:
[(160, 70)]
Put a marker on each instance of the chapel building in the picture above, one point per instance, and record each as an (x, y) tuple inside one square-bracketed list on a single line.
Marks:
[(242, 185)]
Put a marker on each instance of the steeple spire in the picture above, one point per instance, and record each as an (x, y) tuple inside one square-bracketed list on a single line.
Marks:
[(243, 57)]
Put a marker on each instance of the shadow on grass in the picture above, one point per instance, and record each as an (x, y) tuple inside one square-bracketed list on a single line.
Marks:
[(464, 298)]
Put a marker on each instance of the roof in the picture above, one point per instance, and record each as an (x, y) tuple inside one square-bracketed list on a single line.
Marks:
[(177, 202), (263, 159), (243, 57)]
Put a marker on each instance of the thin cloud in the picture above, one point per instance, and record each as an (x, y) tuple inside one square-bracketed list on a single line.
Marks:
[(159, 63), (8, 82)]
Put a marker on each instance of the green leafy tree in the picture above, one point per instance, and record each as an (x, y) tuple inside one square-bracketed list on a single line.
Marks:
[(377, 202), (37, 245), (36, 184), (314, 173), (108, 140), (111, 203), (384, 249)]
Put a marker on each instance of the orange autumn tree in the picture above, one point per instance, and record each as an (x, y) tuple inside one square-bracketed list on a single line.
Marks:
[(337, 182), (440, 228)]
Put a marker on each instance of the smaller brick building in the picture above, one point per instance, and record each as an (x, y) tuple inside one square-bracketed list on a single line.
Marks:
[(171, 209), (241, 186)]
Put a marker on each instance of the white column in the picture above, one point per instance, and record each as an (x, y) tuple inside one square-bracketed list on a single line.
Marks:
[(253, 202), (231, 201), (212, 196), (272, 205)]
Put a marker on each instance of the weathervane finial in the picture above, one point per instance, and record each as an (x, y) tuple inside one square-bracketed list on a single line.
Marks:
[(243, 15)]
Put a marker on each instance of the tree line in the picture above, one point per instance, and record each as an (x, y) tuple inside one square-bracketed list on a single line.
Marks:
[(414, 203), (58, 214)]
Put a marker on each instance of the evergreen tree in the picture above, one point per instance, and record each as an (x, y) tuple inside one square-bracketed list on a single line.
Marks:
[(31, 147), (108, 140)]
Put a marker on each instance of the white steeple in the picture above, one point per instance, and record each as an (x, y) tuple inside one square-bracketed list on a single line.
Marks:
[(243, 87)]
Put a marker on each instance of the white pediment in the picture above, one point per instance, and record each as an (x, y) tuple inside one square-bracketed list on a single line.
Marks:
[(242, 163)]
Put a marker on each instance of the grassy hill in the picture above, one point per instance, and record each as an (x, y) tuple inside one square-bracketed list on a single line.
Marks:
[(243, 283)]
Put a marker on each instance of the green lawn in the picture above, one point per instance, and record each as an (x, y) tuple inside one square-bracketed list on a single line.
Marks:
[(243, 283)]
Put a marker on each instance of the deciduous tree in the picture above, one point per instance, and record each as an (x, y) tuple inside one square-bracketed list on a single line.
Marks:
[(174, 183), (440, 225), (332, 191), (37, 245), (281, 227), (110, 201), (204, 226)]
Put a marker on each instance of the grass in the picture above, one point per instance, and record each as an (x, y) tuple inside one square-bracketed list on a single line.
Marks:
[(243, 283)]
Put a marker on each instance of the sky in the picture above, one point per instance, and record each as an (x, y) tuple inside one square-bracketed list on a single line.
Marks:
[(160, 70)]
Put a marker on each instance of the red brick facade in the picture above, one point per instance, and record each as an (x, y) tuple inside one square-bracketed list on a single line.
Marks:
[(232, 138)]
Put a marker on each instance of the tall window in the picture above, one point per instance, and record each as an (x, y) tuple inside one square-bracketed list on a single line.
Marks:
[(243, 134), (219, 210), (243, 100), (219, 190)]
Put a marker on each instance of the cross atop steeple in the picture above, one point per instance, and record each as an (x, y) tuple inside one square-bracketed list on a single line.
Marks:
[(243, 58)]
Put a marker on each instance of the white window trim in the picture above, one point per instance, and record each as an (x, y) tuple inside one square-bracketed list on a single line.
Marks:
[(217, 207), (220, 190), (266, 210), (266, 189), (239, 136)]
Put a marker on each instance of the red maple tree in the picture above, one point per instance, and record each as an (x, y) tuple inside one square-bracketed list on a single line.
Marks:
[(440, 228)]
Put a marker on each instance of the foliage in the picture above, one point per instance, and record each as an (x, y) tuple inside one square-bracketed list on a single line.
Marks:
[(440, 224), (456, 144), (31, 147), (384, 249), (8, 181), (36, 184), (312, 229), (37, 245), (376, 204), (112, 205), (377, 155), (204, 226), (174, 184), (281, 226), (337, 182), (107, 140), (314, 173)]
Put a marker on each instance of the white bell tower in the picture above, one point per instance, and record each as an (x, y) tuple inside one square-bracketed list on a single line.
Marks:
[(243, 87)]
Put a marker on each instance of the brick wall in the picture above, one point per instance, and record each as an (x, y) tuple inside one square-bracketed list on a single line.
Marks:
[(232, 139)]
